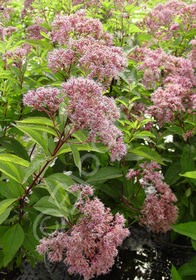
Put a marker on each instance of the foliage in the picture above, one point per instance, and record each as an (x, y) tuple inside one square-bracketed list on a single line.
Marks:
[(100, 93)]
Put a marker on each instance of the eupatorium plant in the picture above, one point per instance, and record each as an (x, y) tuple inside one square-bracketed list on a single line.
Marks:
[(161, 20), (158, 211), (172, 79), (89, 247), (88, 108)]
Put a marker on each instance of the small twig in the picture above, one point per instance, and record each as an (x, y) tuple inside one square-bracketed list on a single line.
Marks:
[(32, 150)]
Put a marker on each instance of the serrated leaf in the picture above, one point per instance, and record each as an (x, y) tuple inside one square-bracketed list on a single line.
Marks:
[(37, 120), (104, 174), (188, 229), (80, 147), (30, 243), (59, 195), (175, 274), (186, 160), (176, 130), (80, 136), (44, 35), (189, 174), (172, 174), (5, 214), (188, 269), (33, 166), (11, 189), (3, 230), (12, 241), (11, 171), (193, 242), (47, 206), (64, 180), (76, 157), (148, 153), (14, 146), (14, 159), (36, 136), (41, 128), (5, 204), (144, 134)]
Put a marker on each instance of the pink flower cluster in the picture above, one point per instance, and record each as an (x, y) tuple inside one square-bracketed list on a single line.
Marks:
[(84, 44), (88, 108), (158, 211), (27, 7), (172, 78), (6, 31), (132, 174), (5, 11), (90, 246), (160, 20), (189, 133), (77, 24), (18, 55), (97, 60), (43, 99), (61, 60), (103, 62), (33, 32)]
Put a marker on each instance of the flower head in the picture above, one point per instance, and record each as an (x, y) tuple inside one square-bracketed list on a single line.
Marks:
[(158, 211), (43, 99), (90, 246), (88, 108)]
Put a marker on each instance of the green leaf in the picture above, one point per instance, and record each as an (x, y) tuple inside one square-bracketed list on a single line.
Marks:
[(134, 29), (36, 163), (11, 189), (188, 229), (5, 204), (132, 157), (188, 269), (104, 174), (30, 244), (41, 128), (11, 171), (44, 35), (189, 174), (174, 273), (187, 161), (14, 159), (144, 134), (62, 113), (80, 147), (172, 174), (76, 157), (12, 241), (79, 136), (37, 120), (148, 153), (59, 195), (14, 146), (64, 180), (47, 206), (176, 130), (193, 242), (3, 230), (5, 214), (35, 136)]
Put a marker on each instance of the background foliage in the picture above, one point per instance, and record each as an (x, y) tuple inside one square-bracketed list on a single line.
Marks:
[(44, 152)]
